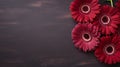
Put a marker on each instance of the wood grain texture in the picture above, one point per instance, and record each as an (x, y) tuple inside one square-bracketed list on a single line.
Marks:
[(37, 33)]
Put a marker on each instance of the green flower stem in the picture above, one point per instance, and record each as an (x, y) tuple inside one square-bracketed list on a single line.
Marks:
[(111, 2)]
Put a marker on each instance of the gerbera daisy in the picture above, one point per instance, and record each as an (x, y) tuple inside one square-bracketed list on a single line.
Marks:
[(108, 50), (84, 10), (108, 19), (85, 36)]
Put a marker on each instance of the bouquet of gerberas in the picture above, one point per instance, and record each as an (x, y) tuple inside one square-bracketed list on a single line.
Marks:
[(97, 29)]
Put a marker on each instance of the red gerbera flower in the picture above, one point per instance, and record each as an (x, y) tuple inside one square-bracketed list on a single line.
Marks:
[(84, 10), (108, 19), (85, 36), (108, 50)]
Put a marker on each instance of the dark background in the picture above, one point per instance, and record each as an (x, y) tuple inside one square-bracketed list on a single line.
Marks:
[(37, 33)]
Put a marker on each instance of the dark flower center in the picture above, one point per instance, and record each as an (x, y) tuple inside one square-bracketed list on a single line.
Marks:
[(85, 9), (86, 37), (110, 50), (105, 19)]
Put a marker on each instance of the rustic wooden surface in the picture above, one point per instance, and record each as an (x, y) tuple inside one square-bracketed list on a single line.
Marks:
[(37, 33)]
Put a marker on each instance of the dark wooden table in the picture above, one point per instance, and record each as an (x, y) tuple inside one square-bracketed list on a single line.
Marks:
[(37, 33)]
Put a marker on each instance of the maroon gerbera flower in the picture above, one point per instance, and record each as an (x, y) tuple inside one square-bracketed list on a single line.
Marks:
[(84, 10), (108, 19), (85, 36), (108, 50)]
